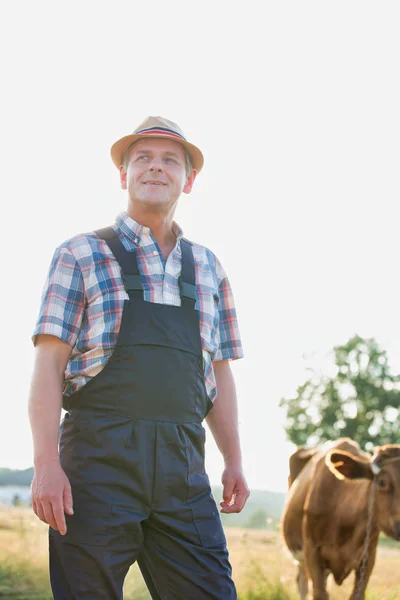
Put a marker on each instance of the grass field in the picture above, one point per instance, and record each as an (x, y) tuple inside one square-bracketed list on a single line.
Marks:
[(263, 570)]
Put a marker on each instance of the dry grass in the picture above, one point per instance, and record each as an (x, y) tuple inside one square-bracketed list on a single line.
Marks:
[(263, 569), (264, 554)]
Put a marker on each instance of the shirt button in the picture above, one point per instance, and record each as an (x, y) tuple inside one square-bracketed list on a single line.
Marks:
[(155, 252)]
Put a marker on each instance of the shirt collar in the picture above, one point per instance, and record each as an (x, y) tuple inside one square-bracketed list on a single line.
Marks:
[(136, 232)]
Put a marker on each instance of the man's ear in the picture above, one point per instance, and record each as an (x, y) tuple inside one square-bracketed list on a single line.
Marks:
[(189, 182), (345, 466), (122, 176)]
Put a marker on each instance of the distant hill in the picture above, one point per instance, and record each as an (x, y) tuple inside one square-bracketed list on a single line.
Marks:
[(260, 500), (15, 477)]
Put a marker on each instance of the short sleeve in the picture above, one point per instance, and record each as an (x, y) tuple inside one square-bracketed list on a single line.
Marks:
[(63, 299), (228, 336)]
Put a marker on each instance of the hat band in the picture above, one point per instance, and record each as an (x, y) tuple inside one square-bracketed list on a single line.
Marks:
[(161, 131)]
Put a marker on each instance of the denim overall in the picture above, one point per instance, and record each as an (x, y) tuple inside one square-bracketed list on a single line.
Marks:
[(132, 446)]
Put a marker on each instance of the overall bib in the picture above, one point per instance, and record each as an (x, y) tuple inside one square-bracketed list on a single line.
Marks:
[(132, 447)]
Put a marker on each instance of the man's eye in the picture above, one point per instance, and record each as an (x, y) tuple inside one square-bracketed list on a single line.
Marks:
[(144, 157)]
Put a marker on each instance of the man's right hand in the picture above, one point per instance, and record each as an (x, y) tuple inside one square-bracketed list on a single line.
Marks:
[(51, 495), (51, 491)]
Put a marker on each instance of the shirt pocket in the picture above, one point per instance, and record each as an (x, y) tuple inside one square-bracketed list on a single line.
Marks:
[(208, 305), (103, 320), (108, 299)]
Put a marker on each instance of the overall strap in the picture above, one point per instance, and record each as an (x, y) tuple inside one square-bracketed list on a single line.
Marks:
[(127, 260), (187, 278), (130, 273)]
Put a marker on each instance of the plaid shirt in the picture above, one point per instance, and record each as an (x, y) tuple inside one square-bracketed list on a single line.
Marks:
[(84, 296)]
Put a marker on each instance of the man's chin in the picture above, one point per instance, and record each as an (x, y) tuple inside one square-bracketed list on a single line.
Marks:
[(152, 201)]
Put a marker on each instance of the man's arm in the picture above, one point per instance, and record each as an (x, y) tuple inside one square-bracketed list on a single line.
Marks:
[(223, 423), (51, 491)]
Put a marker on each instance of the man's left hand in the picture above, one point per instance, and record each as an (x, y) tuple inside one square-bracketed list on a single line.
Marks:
[(235, 492)]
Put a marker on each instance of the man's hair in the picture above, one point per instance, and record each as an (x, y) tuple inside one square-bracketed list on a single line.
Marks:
[(188, 158)]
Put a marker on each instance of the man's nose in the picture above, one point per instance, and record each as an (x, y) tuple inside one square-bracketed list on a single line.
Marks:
[(156, 165)]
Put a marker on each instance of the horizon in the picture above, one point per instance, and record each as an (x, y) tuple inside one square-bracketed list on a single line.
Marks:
[(213, 485)]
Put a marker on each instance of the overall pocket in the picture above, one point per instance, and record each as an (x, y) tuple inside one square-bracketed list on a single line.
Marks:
[(208, 521), (91, 522), (70, 431)]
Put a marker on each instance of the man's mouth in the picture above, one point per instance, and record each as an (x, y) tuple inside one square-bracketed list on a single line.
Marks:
[(154, 183)]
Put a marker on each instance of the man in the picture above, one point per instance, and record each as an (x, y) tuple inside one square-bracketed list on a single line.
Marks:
[(134, 337)]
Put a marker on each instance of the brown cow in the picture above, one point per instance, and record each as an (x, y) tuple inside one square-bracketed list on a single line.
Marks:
[(326, 513)]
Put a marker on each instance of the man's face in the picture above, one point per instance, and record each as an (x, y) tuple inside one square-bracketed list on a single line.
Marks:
[(155, 174)]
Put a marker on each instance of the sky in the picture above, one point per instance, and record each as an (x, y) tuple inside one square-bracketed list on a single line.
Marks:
[(295, 106)]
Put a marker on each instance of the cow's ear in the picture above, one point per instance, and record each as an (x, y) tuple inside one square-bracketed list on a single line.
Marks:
[(345, 466)]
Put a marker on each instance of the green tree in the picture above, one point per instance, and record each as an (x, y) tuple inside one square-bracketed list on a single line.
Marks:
[(361, 400), (258, 520)]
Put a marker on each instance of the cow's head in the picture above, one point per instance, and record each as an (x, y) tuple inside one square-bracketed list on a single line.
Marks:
[(383, 469)]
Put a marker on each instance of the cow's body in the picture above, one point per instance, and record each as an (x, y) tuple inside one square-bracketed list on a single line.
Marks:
[(325, 518)]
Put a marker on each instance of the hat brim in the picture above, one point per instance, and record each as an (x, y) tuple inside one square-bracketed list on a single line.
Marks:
[(118, 149)]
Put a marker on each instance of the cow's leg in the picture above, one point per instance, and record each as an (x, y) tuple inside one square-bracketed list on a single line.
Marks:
[(302, 580), (316, 571), (359, 588)]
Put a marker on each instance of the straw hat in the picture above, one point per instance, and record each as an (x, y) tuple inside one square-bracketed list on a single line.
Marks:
[(156, 127)]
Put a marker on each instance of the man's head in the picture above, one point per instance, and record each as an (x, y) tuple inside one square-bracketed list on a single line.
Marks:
[(156, 163), (155, 174)]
